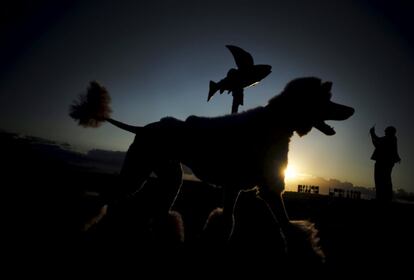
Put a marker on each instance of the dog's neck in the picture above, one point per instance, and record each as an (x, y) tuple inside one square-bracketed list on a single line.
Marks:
[(274, 118)]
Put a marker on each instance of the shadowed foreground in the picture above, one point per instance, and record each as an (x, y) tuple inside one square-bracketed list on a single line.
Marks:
[(48, 202)]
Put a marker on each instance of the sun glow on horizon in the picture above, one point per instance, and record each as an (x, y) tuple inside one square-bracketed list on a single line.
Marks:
[(290, 172)]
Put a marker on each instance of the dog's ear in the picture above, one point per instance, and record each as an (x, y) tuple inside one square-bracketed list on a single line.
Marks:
[(326, 86)]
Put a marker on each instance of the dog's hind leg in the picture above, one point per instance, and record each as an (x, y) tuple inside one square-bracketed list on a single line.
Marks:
[(167, 225), (170, 177), (135, 171), (230, 198)]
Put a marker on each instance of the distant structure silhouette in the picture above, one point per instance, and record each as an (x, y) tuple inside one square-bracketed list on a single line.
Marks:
[(385, 156), (247, 74), (341, 193), (263, 134), (308, 189)]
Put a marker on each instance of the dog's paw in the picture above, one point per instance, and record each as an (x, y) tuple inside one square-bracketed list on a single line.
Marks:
[(213, 230), (303, 242), (96, 218), (176, 226), (167, 230)]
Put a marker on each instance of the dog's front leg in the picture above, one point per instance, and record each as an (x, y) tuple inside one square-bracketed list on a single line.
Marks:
[(272, 193), (220, 223), (273, 197)]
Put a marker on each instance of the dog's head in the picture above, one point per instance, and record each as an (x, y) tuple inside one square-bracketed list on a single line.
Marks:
[(306, 103)]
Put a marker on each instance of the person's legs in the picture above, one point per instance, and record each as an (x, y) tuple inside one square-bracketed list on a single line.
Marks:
[(388, 182), (378, 178), (383, 182)]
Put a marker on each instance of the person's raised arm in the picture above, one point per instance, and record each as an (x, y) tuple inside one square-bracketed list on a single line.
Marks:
[(374, 136)]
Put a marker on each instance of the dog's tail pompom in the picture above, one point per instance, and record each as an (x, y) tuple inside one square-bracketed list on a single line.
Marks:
[(92, 108)]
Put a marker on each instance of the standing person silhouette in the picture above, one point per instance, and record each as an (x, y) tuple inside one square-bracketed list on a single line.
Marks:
[(385, 156)]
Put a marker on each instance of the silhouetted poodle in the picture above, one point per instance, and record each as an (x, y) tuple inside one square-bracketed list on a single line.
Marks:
[(236, 151)]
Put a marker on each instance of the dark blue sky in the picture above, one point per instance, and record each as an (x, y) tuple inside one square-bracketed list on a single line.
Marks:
[(156, 58)]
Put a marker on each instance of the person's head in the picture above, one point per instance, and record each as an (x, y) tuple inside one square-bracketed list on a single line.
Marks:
[(390, 131)]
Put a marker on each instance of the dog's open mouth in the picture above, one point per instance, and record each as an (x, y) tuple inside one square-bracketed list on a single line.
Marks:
[(334, 112), (324, 128)]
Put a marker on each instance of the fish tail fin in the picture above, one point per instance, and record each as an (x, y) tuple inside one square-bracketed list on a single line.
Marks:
[(213, 89)]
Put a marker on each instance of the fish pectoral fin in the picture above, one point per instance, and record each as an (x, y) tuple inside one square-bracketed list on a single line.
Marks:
[(242, 58), (212, 90)]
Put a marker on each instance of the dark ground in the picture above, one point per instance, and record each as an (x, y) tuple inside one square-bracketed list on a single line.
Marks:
[(48, 201)]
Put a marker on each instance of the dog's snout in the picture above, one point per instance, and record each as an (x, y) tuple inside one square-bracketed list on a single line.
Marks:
[(345, 113), (351, 111), (339, 112)]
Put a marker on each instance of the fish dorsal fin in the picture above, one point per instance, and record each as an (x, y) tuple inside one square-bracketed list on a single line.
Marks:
[(243, 59)]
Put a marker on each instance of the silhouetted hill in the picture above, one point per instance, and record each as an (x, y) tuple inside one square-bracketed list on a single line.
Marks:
[(42, 188)]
